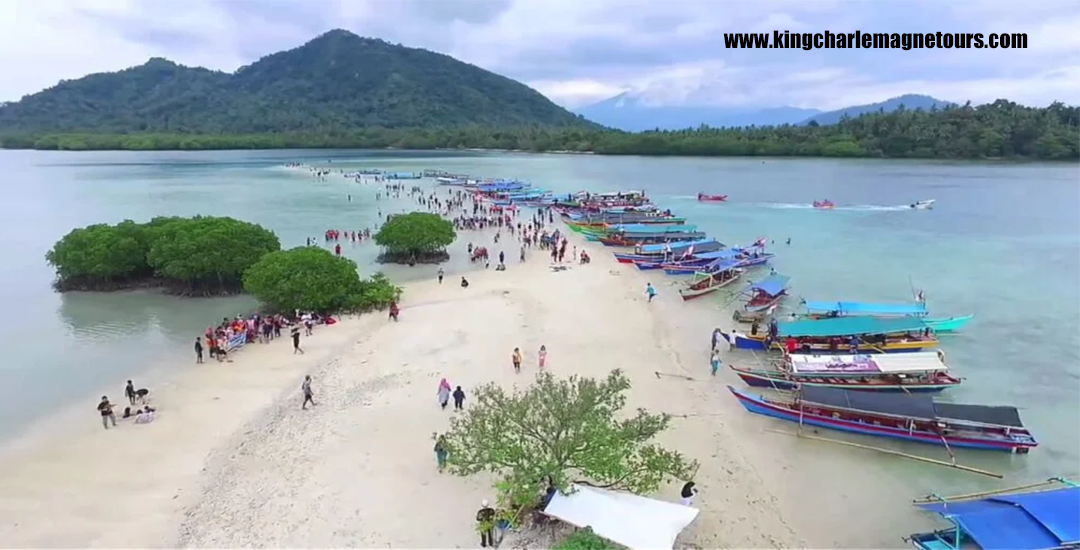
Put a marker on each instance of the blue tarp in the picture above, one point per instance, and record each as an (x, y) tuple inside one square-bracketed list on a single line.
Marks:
[(771, 285), (1029, 521), (866, 308), (850, 326)]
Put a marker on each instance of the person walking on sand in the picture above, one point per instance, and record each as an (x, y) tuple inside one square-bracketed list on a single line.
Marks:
[(444, 393), (296, 341), (309, 397), (715, 361), (198, 350), (459, 399), (129, 392), (105, 408), (441, 274), (485, 519), (516, 358), (650, 291), (441, 452), (542, 355)]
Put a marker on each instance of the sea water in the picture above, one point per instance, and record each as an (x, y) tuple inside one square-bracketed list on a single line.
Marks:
[(1002, 242)]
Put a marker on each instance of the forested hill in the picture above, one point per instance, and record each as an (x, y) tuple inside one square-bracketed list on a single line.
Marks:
[(999, 130), (336, 82)]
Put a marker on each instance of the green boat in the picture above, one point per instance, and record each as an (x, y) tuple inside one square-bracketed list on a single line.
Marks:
[(949, 324)]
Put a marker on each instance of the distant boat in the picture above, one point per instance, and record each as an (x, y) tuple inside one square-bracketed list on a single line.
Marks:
[(824, 205), (923, 205), (711, 198)]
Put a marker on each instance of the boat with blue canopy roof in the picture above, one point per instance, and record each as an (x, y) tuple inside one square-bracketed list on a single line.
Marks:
[(1041, 516), (764, 296), (861, 334), (819, 309), (657, 252)]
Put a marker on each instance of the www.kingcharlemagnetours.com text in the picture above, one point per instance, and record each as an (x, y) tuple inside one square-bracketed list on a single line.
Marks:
[(880, 40)]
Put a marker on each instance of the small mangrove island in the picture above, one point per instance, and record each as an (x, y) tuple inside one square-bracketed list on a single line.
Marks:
[(214, 256), (416, 237)]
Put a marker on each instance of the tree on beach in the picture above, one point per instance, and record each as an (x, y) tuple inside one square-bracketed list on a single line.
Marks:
[(415, 237), (312, 279), (189, 256), (570, 429)]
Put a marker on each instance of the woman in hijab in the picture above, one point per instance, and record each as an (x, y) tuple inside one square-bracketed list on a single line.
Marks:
[(688, 493), (444, 393)]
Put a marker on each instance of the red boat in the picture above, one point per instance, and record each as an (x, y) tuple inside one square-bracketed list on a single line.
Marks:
[(711, 198), (825, 204)]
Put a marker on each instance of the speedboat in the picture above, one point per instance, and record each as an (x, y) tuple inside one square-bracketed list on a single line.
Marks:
[(825, 204), (711, 198), (923, 205)]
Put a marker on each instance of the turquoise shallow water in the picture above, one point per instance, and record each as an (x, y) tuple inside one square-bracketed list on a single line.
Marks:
[(1003, 243)]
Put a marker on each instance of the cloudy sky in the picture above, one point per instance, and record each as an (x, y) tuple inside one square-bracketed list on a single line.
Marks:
[(579, 51)]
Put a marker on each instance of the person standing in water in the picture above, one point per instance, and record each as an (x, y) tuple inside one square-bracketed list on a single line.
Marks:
[(441, 273), (516, 358), (198, 350), (542, 355), (309, 397), (444, 393), (650, 291)]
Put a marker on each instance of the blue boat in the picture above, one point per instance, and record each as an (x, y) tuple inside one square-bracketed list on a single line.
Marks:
[(817, 335), (840, 309), (712, 266), (1043, 516)]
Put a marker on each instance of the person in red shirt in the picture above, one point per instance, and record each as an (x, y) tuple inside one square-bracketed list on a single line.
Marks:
[(791, 345)]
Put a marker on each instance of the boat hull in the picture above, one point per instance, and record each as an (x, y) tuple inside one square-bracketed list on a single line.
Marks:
[(758, 344), (758, 405), (949, 324), (774, 380)]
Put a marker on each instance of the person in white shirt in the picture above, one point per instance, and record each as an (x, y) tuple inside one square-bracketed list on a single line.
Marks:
[(144, 416)]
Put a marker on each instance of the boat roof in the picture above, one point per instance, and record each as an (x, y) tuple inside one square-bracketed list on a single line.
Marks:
[(881, 363), (651, 229), (912, 405), (771, 285), (721, 264), (1024, 521), (850, 326), (659, 247), (866, 308)]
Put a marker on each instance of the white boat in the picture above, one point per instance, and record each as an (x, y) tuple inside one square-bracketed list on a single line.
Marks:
[(924, 205)]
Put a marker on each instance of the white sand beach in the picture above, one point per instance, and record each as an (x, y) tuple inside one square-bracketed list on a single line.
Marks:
[(232, 460)]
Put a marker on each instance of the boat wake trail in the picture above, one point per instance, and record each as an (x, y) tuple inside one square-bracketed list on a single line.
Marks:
[(851, 207)]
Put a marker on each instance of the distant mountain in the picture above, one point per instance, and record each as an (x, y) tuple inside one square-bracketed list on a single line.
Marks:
[(909, 101), (338, 81), (628, 112)]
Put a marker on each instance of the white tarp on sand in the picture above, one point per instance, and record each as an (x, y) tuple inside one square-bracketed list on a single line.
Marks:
[(633, 521)]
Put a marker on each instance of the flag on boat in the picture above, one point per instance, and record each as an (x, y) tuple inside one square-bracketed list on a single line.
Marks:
[(689, 252), (760, 242)]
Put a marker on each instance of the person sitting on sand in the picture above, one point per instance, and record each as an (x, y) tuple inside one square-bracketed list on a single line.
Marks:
[(144, 416), (464, 283)]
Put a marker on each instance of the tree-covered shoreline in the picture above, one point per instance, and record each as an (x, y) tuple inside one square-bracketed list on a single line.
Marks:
[(1001, 130)]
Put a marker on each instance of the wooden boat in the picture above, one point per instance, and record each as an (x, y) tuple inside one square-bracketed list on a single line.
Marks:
[(872, 334), (650, 238), (711, 198), (905, 416), (705, 283), (824, 205), (816, 309), (746, 259), (1040, 516), (764, 295), (908, 372), (658, 252)]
